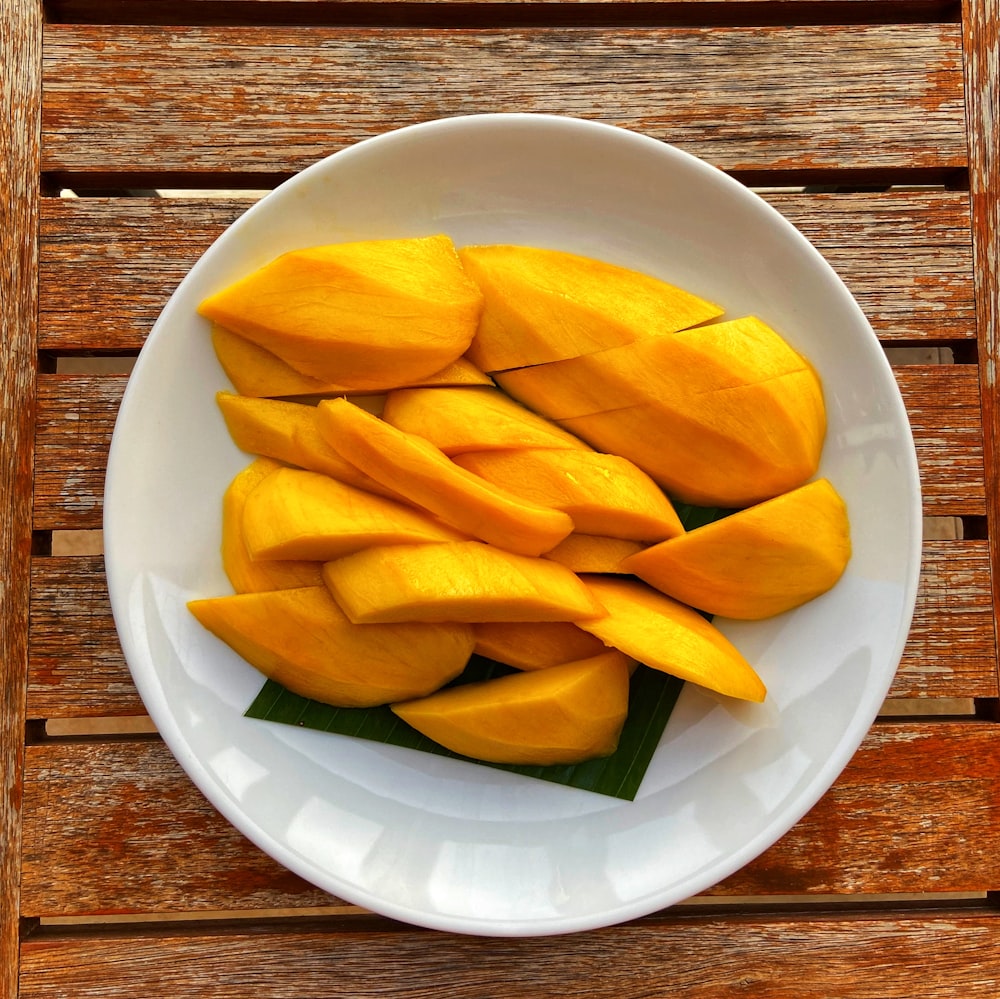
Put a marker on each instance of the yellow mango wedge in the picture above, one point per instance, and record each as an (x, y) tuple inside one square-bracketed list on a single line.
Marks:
[(257, 372), (603, 493), (724, 415), (350, 312), (244, 574), (543, 305), (757, 562), (473, 419), (593, 553), (287, 432), (669, 636), (301, 639), (425, 476), (564, 714), (535, 644), (463, 581), (295, 514)]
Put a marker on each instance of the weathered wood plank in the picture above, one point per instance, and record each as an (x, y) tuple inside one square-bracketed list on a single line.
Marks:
[(20, 104), (107, 823), (275, 99), (109, 265), (891, 955), (76, 416), (982, 72), (76, 668)]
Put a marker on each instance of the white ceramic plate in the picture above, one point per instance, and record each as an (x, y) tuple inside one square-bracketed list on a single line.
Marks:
[(443, 843)]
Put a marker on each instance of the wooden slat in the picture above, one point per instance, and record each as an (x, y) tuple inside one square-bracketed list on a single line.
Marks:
[(76, 668), (20, 101), (982, 66), (889, 955), (76, 416), (118, 827), (109, 265), (260, 101)]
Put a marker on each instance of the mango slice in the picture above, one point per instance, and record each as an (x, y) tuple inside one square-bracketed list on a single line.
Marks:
[(424, 475), (535, 644), (245, 575), (463, 581), (349, 312), (301, 639), (757, 562), (257, 372), (593, 553), (724, 415), (287, 432), (603, 493), (473, 419), (564, 714), (295, 514), (544, 305), (669, 636)]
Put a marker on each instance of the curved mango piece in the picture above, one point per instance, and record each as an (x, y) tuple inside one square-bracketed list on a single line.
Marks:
[(244, 574), (603, 493), (257, 372), (593, 553), (473, 419), (757, 562), (534, 644), (462, 581), (564, 714), (726, 415), (264, 427), (427, 477), (351, 311), (301, 639), (669, 636), (543, 305), (295, 514)]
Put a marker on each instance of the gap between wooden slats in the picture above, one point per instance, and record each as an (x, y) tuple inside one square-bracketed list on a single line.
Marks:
[(108, 265), (890, 954), (266, 100), (460, 13), (119, 827), (76, 668), (76, 415)]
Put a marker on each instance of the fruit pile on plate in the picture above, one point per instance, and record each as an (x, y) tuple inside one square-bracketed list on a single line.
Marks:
[(481, 450)]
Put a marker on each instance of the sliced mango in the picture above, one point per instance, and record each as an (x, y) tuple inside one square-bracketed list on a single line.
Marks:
[(463, 581), (757, 562), (604, 494), (593, 553), (255, 371), (669, 636), (543, 305), (473, 419), (295, 514), (264, 426), (424, 475), (245, 575), (535, 644), (564, 714), (724, 415), (349, 312), (301, 639)]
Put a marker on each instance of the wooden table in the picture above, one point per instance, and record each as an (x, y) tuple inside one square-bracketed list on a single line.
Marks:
[(874, 126)]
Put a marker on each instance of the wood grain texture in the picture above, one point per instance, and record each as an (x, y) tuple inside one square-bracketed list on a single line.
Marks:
[(108, 265), (76, 417), (886, 955), (982, 70), (76, 668), (260, 101), (118, 827), (20, 100)]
